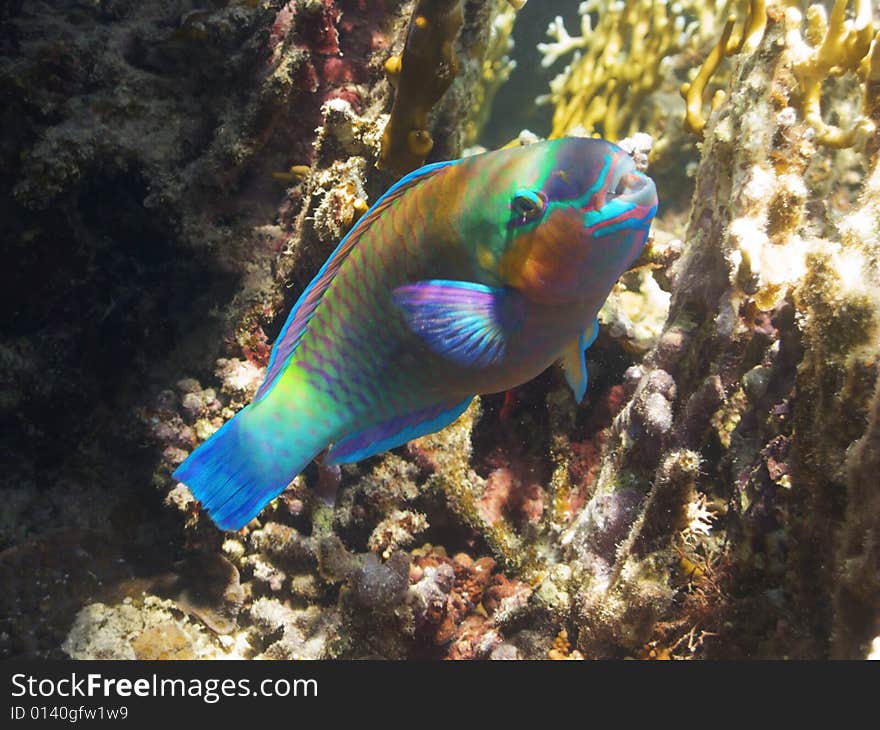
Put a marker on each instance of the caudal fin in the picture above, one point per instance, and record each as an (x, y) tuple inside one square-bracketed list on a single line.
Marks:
[(248, 462)]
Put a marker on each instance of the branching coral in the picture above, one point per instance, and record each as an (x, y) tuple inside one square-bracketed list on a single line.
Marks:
[(421, 75), (835, 46), (728, 44), (616, 64), (832, 46)]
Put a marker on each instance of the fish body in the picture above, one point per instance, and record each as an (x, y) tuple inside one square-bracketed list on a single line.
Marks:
[(466, 277)]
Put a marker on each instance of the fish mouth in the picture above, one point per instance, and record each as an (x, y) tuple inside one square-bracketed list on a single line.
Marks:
[(628, 202), (635, 188)]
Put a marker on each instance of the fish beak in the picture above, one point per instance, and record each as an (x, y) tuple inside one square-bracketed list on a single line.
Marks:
[(637, 188)]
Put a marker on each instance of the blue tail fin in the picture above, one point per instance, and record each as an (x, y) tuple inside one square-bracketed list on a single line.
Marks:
[(248, 462)]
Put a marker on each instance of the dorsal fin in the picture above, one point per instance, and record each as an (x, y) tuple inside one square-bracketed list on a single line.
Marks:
[(305, 306)]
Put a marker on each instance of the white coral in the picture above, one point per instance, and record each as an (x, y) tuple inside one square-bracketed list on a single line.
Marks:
[(563, 42), (699, 517)]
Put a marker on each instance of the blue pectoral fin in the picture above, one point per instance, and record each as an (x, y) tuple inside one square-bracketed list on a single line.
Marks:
[(395, 432), (590, 334), (465, 322), (574, 363)]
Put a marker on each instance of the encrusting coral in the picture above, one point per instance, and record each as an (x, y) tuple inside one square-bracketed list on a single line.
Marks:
[(420, 76)]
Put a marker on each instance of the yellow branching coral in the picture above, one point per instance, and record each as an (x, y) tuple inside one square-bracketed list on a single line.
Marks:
[(421, 76), (835, 46), (616, 65), (745, 41)]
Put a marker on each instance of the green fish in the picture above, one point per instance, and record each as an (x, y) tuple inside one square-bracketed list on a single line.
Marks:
[(466, 277)]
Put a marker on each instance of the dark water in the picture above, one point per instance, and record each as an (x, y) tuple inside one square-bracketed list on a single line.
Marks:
[(513, 110)]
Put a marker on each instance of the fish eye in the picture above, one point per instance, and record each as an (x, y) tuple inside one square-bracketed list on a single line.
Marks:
[(528, 204)]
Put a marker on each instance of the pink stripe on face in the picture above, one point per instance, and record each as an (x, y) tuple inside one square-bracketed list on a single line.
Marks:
[(597, 200)]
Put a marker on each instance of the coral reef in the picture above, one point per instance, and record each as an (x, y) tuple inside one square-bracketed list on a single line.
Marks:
[(762, 380), (172, 180), (167, 195), (126, 631)]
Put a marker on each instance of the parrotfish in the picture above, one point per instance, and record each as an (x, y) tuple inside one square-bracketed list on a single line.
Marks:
[(466, 277)]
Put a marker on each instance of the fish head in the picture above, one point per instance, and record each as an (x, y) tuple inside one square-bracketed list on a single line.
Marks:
[(577, 215)]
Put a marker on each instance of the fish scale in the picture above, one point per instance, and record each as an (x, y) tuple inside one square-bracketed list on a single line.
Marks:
[(368, 270), (466, 277)]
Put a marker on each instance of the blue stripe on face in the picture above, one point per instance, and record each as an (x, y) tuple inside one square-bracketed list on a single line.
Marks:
[(612, 210), (601, 224)]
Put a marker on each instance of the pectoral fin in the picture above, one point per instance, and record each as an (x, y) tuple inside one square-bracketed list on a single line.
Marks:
[(574, 364), (466, 322)]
